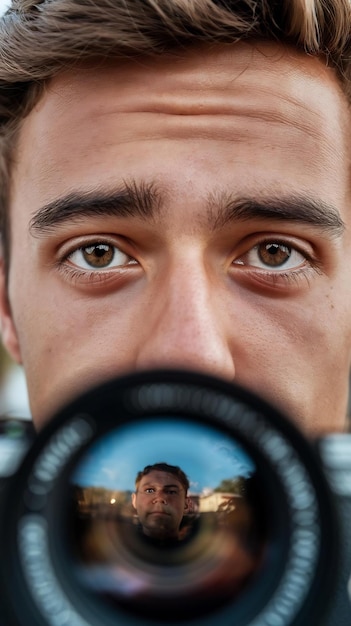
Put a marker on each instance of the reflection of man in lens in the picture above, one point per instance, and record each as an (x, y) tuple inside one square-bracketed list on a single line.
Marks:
[(161, 500)]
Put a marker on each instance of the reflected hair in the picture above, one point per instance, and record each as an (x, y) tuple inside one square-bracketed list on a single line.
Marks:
[(164, 467), (40, 38)]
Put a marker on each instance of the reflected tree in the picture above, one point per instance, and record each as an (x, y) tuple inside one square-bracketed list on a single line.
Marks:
[(232, 485)]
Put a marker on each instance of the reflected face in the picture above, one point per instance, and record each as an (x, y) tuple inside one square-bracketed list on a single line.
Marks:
[(188, 212), (160, 502)]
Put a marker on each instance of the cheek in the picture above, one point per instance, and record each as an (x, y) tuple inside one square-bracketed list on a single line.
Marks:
[(290, 351), (59, 324), (321, 328), (68, 347), (307, 325)]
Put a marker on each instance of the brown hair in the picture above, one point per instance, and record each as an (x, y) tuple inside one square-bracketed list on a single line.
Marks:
[(164, 467), (40, 38)]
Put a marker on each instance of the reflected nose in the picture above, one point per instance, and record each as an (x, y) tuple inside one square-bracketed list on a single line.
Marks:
[(187, 329), (159, 497)]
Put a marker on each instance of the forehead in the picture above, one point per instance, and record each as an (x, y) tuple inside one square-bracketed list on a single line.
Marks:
[(262, 108), (156, 477), (221, 78)]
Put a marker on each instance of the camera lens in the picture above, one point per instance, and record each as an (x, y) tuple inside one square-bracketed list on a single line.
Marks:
[(222, 536), (256, 536)]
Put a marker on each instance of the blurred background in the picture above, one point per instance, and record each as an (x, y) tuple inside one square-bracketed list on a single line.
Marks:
[(13, 391), (3, 5)]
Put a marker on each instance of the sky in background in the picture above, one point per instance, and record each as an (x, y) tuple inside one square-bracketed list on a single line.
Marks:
[(3, 5), (205, 454), (13, 394)]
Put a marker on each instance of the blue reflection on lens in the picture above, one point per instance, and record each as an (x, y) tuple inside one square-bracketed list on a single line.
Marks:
[(206, 455)]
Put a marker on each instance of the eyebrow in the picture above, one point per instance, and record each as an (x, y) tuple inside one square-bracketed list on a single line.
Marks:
[(293, 208), (131, 199), (144, 200)]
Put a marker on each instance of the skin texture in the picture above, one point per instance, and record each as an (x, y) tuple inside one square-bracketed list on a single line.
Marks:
[(191, 285), (160, 501)]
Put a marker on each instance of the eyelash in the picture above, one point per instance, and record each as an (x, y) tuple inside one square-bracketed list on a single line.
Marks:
[(275, 277), (291, 278), (90, 276), (76, 275)]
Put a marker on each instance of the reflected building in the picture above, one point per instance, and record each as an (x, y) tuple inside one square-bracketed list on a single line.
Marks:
[(216, 501)]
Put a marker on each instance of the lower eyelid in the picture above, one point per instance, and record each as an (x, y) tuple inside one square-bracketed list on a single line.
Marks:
[(105, 279), (279, 280)]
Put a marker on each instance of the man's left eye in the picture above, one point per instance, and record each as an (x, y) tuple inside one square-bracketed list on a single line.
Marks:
[(272, 255), (99, 255)]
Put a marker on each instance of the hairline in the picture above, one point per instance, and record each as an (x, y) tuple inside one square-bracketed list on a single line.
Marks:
[(173, 470)]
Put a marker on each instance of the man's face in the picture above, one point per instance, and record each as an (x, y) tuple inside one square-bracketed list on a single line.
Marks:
[(186, 212), (160, 502)]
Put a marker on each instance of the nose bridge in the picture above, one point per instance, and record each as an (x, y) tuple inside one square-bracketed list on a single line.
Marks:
[(160, 496), (186, 303), (186, 330)]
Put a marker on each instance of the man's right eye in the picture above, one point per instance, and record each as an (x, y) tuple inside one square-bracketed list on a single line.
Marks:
[(99, 255)]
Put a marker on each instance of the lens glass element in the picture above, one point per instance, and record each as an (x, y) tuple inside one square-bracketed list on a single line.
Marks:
[(155, 547)]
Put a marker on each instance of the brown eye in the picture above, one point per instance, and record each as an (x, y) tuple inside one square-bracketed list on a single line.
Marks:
[(273, 254), (98, 255)]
